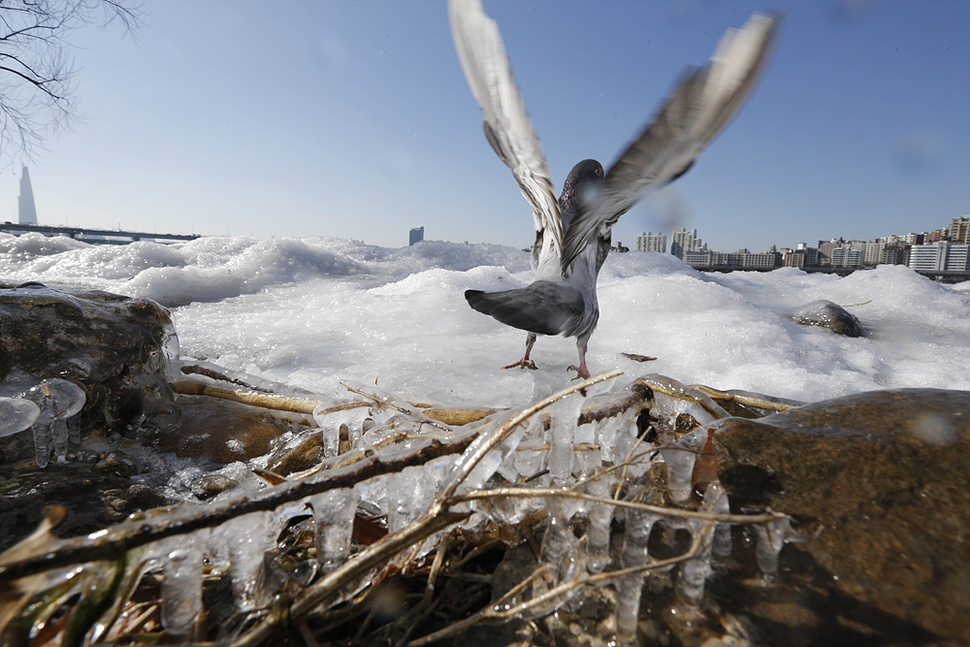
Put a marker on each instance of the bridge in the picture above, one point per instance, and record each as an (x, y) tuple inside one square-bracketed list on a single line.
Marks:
[(96, 236)]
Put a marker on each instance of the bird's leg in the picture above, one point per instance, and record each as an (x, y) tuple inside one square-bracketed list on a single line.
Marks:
[(582, 373), (525, 362)]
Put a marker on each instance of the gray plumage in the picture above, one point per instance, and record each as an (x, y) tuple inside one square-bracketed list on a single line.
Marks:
[(573, 232)]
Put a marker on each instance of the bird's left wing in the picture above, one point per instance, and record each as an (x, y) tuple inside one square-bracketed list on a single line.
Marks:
[(703, 103), (507, 124)]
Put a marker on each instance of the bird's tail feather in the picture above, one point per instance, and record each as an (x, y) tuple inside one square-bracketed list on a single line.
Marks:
[(524, 308)]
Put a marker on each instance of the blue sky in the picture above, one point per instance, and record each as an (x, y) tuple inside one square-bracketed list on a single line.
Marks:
[(353, 119)]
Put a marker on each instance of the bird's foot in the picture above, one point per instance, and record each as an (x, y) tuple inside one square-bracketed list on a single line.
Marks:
[(582, 373), (523, 363)]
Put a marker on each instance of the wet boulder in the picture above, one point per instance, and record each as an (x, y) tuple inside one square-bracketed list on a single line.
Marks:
[(826, 314), (878, 485), (113, 346)]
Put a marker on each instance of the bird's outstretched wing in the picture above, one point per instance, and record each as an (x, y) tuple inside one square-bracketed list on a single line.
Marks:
[(703, 103), (507, 124)]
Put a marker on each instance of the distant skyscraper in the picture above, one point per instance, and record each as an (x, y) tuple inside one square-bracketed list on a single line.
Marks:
[(25, 203), (416, 236), (686, 241), (647, 242)]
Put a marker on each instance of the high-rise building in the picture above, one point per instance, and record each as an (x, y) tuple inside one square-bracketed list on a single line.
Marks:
[(26, 210), (683, 241), (960, 230), (416, 235), (647, 242), (940, 257)]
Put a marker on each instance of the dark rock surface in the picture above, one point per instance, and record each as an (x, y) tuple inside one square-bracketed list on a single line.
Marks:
[(880, 481), (112, 345)]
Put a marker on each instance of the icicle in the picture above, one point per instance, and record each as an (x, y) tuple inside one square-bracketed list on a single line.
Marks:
[(771, 539), (695, 571), (560, 552), (74, 429), (247, 538), (58, 431), (330, 422), (639, 524), (598, 532), (333, 515), (182, 584), (563, 416), (680, 458), (42, 437)]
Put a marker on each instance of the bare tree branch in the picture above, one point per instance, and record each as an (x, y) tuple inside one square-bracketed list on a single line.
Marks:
[(37, 75)]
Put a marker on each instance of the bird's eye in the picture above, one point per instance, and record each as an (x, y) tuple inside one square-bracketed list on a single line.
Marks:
[(598, 171)]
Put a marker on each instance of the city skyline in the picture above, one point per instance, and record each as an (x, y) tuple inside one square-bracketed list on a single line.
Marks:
[(909, 237)]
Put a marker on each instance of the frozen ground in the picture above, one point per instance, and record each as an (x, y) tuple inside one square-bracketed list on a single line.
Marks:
[(311, 312)]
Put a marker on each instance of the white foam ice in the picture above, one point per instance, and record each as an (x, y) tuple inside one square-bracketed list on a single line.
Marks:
[(313, 312)]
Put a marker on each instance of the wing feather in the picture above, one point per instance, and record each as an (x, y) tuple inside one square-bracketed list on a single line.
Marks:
[(705, 100), (507, 125)]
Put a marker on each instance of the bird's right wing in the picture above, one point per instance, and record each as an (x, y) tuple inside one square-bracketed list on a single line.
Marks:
[(703, 103), (507, 124)]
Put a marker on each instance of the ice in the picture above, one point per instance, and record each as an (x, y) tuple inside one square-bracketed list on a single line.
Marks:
[(375, 491), (672, 398), (57, 401), (771, 539), (42, 439), (181, 590), (408, 497), (16, 414), (639, 524), (330, 421), (695, 571), (562, 428), (333, 515), (680, 458), (244, 541), (488, 464), (598, 532), (74, 429)]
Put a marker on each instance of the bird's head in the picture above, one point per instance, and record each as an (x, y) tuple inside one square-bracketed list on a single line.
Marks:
[(580, 190)]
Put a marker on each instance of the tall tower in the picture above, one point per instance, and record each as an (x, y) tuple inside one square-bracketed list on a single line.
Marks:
[(27, 210)]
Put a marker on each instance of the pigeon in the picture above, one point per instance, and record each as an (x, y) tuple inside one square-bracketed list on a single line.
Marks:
[(573, 232)]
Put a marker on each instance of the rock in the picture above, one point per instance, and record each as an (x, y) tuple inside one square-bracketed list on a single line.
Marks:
[(880, 482), (222, 431), (829, 315), (115, 464), (113, 345), (211, 485)]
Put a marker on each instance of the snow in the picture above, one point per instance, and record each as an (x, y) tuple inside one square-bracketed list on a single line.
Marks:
[(312, 312)]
